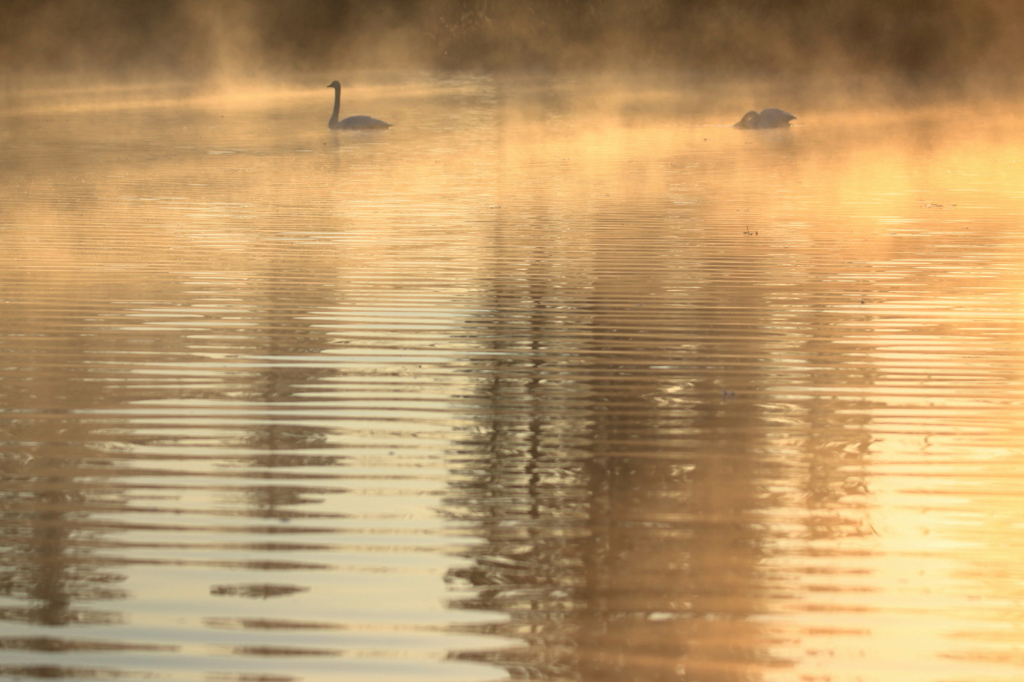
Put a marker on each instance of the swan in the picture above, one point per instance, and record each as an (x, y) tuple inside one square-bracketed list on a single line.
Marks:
[(768, 118), (352, 122)]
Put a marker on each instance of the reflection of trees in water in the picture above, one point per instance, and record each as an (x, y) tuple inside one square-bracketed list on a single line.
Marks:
[(49, 560), (58, 471), (275, 449), (66, 494), (613, 563), (625, 528), (275, 445)]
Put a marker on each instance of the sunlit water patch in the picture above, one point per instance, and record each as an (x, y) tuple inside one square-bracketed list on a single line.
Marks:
[(522, 387)]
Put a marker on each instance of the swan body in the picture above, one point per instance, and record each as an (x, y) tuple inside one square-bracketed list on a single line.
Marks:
[(768, 118), (352, 122)]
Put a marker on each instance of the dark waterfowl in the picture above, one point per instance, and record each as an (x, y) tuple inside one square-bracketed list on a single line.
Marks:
[(352, 122), (768, 118)]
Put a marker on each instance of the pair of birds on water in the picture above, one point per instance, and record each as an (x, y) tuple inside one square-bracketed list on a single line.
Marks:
[(767, 118)]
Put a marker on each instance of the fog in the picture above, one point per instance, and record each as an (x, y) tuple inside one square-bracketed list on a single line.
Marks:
[(919, 44)]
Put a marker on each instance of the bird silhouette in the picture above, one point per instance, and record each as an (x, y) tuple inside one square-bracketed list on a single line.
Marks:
[(352, 122), (768, 118)]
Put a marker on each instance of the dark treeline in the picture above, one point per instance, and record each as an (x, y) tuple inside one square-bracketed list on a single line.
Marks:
[(915, 39)]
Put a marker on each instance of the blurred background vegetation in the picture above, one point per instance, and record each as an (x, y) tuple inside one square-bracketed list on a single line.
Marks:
[(917, 41)]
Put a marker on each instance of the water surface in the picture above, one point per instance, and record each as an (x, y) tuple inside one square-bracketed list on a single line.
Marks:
[(537, 384)]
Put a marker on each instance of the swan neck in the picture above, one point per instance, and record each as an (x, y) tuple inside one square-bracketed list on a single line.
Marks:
[(337, 107)]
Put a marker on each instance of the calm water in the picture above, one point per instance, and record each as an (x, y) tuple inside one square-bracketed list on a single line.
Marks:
[(535, 385)]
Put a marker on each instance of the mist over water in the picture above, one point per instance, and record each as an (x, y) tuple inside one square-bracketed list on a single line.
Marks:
[(561, 378), (923, 45)]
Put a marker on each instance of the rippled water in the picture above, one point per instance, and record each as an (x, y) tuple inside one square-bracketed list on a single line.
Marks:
[(536, 384)]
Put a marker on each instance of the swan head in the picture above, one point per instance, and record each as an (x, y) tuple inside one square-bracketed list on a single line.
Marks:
[(335, 84), (749, 120)]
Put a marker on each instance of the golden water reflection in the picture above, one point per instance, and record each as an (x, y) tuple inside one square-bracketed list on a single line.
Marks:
[(520, 387)]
